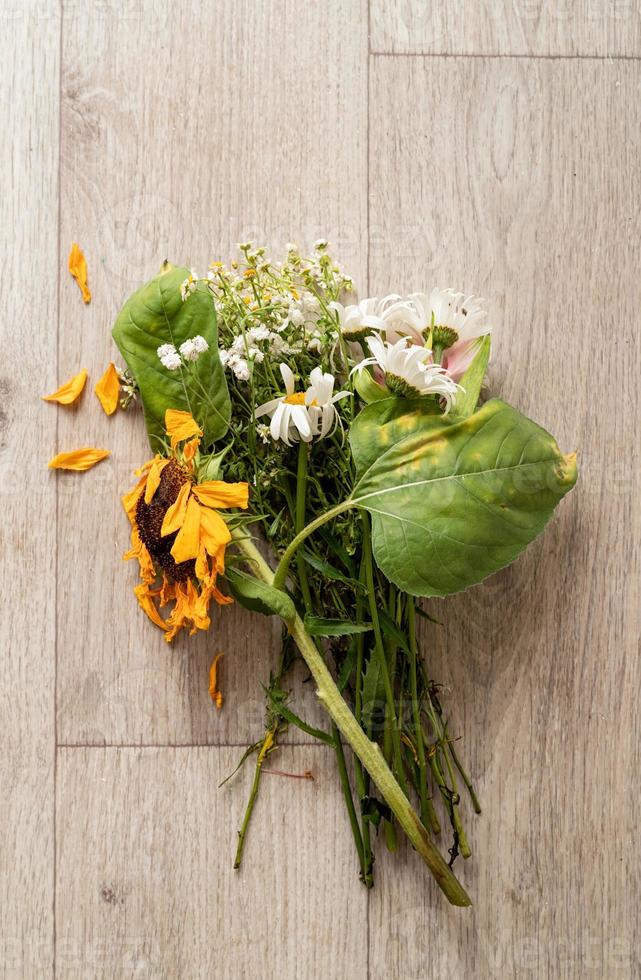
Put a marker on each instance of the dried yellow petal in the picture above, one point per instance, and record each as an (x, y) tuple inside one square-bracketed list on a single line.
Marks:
[(180, 425), (153, 478), (146, 600), (69, 391), (77, 266), (217, 493), (175, 514), (214, 692), (78, 459), (187, 543), (108, 389)]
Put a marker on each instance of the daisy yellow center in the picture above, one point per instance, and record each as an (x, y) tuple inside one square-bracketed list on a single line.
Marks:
[(298, 398)]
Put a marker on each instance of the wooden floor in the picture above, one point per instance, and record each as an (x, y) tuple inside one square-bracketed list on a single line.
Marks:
[(492, 146)]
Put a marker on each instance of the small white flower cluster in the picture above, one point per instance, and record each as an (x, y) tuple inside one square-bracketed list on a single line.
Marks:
[(244, 350), (189, 351)]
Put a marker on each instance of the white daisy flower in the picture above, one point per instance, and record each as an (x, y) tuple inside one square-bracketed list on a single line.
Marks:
[(408, 369), (320, 400), (289, 414), (169, 357), (456, 322), (358, 320)]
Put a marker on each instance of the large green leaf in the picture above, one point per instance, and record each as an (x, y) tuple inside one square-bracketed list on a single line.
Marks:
[(453, 501), (253, 594), (156, 315)]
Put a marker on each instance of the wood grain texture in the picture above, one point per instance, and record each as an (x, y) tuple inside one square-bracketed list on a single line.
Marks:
[(184, 130), (146, 886), (548, 28), (29, 74), (519, 180)]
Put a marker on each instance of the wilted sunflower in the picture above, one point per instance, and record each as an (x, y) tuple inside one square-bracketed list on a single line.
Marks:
[(177, 534)]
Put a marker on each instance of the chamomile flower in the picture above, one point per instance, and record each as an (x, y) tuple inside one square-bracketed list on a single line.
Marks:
[(290, 420), (455, 322), (320, 400), (169, 357), (409, 371), (360, 319)]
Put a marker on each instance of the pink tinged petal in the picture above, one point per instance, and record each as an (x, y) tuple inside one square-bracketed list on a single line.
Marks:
[(458, 358)]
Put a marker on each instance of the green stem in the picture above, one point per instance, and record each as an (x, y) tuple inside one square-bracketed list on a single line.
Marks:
[(368, 752), (366, 877), (242, 833), (281, 572), (391, 721), (416, 712), (299, 519)]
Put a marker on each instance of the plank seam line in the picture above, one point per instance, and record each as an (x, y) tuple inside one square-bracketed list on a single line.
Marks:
[(54, 870), (179, 745), (612, 58)]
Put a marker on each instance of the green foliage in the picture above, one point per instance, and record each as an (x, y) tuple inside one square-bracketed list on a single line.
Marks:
[(453, 501), (317, 626), (156, 315), (471, 383), (253, 594), (368, 388)]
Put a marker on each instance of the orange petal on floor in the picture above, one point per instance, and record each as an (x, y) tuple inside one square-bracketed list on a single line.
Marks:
[(214, 692), (69, 391), (77, 266), (78, 459), (108, 389)]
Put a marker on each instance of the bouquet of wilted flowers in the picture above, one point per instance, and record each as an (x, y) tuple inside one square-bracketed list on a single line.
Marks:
[(344, 442)]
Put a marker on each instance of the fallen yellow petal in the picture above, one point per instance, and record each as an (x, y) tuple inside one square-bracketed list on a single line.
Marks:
[(214, 692), (180, 426), (77, 265), (78, 459), (175, 514), (108, 389), (187, 540), (217, 493), (69, 391)]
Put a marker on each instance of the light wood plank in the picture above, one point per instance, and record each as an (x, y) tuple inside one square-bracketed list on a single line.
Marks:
[(604, 28), (519, 180), (184, 130), (145, 880), (29, 77)]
